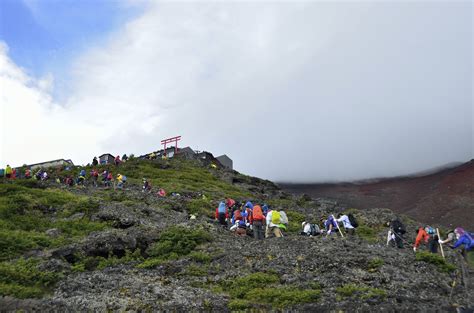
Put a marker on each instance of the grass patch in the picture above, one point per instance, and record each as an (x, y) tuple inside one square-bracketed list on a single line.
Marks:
[(436, 260), (195, 270), (361, 292), (173, 243), (294, 221), (374, 264), (200, 257), (200, 207), (22, 279), (263, 288), (25, 215), (367, 233)]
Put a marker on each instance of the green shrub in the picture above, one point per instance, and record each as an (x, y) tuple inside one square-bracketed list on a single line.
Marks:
[(264, 288), (361, 292), (23, 279), (374, 264), (179, 240), (194, 270), (282, 297), (200, 257), (435, 259), (367, 233), (202, 207), (295, 219)]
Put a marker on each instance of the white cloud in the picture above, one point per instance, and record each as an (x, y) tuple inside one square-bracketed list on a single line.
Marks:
[(305, 91)]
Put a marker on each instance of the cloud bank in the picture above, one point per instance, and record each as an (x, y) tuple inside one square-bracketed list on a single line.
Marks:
[(296, 92)]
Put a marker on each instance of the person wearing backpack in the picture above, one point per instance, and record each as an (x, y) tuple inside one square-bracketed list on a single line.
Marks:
[(95, 177), (273, 220), (258, 220), (428, 236), (397, 229), (95, 162), (350, 229), (8, 172), (464, 239), (283, 222), (222, 214)]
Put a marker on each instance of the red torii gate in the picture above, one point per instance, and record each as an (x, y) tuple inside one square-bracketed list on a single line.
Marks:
[(164, 142)]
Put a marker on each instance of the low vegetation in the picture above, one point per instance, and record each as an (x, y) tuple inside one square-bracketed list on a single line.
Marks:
[(260, 288), (435, 259), (27, 212), (360, 292), (22, 278), (175, 242)]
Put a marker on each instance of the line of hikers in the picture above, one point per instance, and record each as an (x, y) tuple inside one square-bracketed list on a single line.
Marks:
[(251, 219)]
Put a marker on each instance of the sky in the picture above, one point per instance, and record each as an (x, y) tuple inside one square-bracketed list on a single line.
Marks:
[(307, 91)]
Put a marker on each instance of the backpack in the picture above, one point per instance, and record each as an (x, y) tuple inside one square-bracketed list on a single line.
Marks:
[(398, 227), (257, 213), (276, 217), (283, 218), (315, 230), (124, 178), (353, 220)]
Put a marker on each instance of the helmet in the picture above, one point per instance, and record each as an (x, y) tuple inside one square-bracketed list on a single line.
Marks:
[(304, 223), (118, 175)]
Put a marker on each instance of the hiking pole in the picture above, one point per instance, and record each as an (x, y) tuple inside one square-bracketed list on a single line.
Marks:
[(440, 245), (337, 224)]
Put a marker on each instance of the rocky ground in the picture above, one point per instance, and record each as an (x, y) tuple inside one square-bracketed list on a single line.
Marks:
[(229, 273)]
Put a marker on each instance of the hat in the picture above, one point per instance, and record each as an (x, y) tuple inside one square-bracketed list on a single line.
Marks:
[(304, 223)]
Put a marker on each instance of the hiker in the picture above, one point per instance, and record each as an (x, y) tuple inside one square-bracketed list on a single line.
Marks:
[(273, 220), (82, 177), (161, 192), (348, 227), (117, 160), (14, 173), (2, 172), (38, 175), (258, 221), (120, 180), (69, 181), (451, 237), (105, 174), (464, 239), (231, 205), (146, 185), (95, 162), (152, 156), (27, 173), (330, 225), (8, 171), (421, 236), (95, 177), (110, 179), (240, 228), (265, 209), (236, 216), (124, 158), (222, 214), (397, 230), (45, 176)]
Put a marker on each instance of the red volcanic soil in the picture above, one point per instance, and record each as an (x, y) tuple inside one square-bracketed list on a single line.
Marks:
[(445, 197)]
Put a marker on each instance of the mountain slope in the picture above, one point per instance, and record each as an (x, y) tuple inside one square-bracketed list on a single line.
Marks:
[(97, 249), (445, 197)]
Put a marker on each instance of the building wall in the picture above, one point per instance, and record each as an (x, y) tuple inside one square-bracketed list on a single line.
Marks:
[(49, 164), (225, 161)]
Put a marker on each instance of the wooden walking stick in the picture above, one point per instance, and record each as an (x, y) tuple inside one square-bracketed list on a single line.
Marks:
[(337, 224), (440, 245)]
